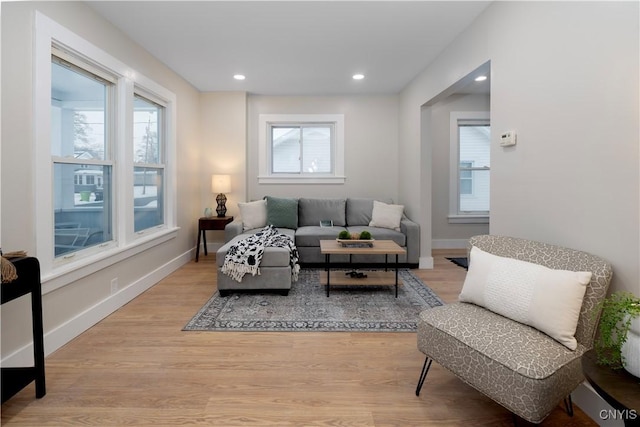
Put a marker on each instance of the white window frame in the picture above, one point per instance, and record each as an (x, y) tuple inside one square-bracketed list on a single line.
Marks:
[(456, 118), (162, 165), (266, 121), (90, 70), (57, 272)]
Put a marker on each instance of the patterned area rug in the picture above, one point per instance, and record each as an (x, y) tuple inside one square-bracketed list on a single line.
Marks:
[(307, 308)]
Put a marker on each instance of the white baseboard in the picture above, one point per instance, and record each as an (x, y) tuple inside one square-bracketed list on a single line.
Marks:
[(449, 243), (64, 333), (212, 247), (425, 263)]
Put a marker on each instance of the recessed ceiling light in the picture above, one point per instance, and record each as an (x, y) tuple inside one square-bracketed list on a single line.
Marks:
[(481, 78), (239, 77), (358, 76)]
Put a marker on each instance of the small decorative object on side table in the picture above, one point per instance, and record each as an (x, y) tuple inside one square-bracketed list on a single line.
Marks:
[(211, 223)]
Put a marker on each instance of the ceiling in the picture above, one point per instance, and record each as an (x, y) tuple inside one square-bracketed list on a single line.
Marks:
[(293, 47)]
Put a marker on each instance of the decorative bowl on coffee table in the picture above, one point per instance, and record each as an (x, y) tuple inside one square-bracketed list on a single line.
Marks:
[(356, 243)]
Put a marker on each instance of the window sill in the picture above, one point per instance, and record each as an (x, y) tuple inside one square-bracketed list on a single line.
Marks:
[(468, 219), (301, 179), (72, 272)]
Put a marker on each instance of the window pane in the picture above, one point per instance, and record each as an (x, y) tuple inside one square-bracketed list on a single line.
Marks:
[(474, 145), (146, 131), (474, 153), (82, 198), (477, 196), (316, 150), (285, 149), (148, 197), (78, 114)]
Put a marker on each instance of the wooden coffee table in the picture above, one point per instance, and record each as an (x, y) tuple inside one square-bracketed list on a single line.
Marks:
[(380, 247)]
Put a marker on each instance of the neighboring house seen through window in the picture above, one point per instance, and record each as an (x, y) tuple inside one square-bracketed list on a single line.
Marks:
[(470, 167), (301, 148), (81, 102)]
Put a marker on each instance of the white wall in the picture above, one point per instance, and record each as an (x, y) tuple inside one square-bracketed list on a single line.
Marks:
[(444, 234), (71, 309), (371, 145), (224, 151), (564, 75)]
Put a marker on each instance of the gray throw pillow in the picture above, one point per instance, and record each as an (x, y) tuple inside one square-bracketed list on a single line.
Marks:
[(282, 212)]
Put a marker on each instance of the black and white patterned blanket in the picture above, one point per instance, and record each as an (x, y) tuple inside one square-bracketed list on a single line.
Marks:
[(245, 256)]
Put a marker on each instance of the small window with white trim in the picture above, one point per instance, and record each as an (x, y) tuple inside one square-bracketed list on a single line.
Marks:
[(470, 165), (301, 148)]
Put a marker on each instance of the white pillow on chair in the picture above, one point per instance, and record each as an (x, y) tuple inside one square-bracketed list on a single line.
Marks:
[(546, 299)]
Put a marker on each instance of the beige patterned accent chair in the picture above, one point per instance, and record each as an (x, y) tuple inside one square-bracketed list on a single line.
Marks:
[(524, 370)]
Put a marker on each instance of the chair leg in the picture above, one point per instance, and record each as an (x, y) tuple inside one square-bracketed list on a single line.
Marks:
[(423, 374), (568, 405)]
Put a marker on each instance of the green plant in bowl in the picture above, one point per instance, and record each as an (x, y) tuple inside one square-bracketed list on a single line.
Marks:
[(365, 235), (344, 234), (618, 310)]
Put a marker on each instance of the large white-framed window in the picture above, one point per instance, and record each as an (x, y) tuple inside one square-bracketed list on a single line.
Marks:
[(470, 166), (301, 148), (85, 107), (81, 146)]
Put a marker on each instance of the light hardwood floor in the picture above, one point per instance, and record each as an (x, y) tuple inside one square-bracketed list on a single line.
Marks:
[(137, 367)]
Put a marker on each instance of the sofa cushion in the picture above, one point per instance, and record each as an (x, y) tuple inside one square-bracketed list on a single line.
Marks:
[(282, 212), (511, 344), (289, 232), (359, 211), (312, 211), (549, 300), (385, 215), (253, 214), (311, 235), (272, 256)]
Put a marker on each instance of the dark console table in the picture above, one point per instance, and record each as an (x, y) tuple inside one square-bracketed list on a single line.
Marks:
[(210, 223), (28, 282), (617, 387)]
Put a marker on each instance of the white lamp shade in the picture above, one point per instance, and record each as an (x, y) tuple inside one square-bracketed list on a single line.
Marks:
[(220, 183)]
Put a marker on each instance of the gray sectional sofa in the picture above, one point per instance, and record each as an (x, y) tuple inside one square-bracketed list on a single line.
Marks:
[(300, 218)]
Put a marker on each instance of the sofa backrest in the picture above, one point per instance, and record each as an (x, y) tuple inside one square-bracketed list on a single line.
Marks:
[(312, 211), (359, 211), (558, 258)]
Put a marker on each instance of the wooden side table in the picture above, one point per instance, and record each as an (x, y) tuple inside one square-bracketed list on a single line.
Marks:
[(210, 223)]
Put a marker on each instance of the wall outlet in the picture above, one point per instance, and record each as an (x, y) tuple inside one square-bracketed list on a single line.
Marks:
[(114, 285)]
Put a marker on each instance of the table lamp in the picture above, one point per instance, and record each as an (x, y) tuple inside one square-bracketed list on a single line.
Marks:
[(221, 184)]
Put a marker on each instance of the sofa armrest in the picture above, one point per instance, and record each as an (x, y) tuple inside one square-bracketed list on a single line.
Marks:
[(232, 229), (412, 231)]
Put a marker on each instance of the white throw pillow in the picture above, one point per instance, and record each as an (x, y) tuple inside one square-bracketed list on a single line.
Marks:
[(254, 214), (546, 299), (386, 216)]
